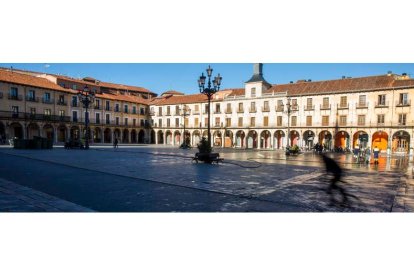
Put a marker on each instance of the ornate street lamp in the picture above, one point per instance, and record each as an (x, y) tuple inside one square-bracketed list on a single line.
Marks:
[(288, 111), (185, 111), (209, 91), (86, 97)]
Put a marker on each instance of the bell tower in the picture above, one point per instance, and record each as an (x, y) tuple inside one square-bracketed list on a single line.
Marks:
[(256, 85)]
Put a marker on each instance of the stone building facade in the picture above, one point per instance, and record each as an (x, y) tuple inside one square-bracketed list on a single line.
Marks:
[(364, 111)]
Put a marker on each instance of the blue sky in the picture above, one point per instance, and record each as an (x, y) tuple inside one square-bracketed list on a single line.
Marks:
[(160, 77)]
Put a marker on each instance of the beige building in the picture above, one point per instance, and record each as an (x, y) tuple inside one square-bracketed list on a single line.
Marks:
[(365, 111), (37, 104)]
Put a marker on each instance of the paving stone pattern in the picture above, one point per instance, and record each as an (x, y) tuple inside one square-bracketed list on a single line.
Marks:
[(257, 186)]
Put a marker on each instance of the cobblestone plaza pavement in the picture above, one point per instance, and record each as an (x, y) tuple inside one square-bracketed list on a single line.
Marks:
[(164, 179)]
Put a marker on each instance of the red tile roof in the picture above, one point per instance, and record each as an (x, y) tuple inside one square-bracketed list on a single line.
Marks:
[(29, 80), (175, 99), (337, 86)]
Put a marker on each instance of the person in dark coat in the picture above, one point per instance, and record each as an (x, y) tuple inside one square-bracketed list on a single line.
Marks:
[(332, 167), (116, 143)]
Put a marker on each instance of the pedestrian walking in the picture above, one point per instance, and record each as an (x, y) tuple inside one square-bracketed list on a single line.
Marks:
[(116, 143), (376, 154), (333, 168)]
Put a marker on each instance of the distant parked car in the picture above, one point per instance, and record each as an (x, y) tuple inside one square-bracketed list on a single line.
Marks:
[(74, 144)]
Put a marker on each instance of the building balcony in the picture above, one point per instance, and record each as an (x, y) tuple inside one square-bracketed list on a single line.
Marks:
[(168, 114), (325, 107), (309, 108), (117, 110), (15, 97), (279, 108), (228, 111), (384, 104), (403, 103), (252, 110), (196, 112), (152, 113), (126, 111), (265, 109), (294, 107), (343, 106), (240, 110), (177, 113), (74, 104), (362, 105), (217, 112), (32, 99), (60, 102), (47, 101), (97, 107)]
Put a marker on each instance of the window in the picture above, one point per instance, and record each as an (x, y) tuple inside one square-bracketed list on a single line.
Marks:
[(97, 118), (177, 110), (240, 107), (265, 121), (177, 122), (361, 120), (196, 107), (31, 95), (196, 122), (206, 107), (294, 121), (46, 97), (380, 118), (142, 111), (62, 99), (125, 121), (343, 102), (14, 92), (402, 119), (186, 121), (228, 122), (134, 110), (362, 101), (160, 111), (228, 109), (74, 116), (240, 123), (168, 110), (33, 111), (381, 100), (134, 122), (279, 121), (279, 102), (159, 122), (252, 107), (252, 121), (168, 122), (48, 112), (125, 108), (15, 109), (217, 121), (74, 101), (74, 87), (116, 107), (108, 118), (205, 122), (308, 120), (403, 99), (107, 107), (309, 103), (253, 91), (266, 106), (217, 108), (342, 120), (325, 102), (62, 113), (325, 120), (117, 121)]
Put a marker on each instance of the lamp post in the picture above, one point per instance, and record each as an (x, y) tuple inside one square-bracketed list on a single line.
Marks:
[(86, 97), (288, 111), (184, 113), (209, 91)]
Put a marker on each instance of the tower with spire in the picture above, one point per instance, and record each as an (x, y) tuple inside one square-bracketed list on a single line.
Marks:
[(256, 85)]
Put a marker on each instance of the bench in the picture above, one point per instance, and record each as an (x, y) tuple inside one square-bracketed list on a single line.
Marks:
[(208, 158)]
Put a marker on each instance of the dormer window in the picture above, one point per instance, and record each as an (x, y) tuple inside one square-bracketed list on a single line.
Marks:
[(253, 92)]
